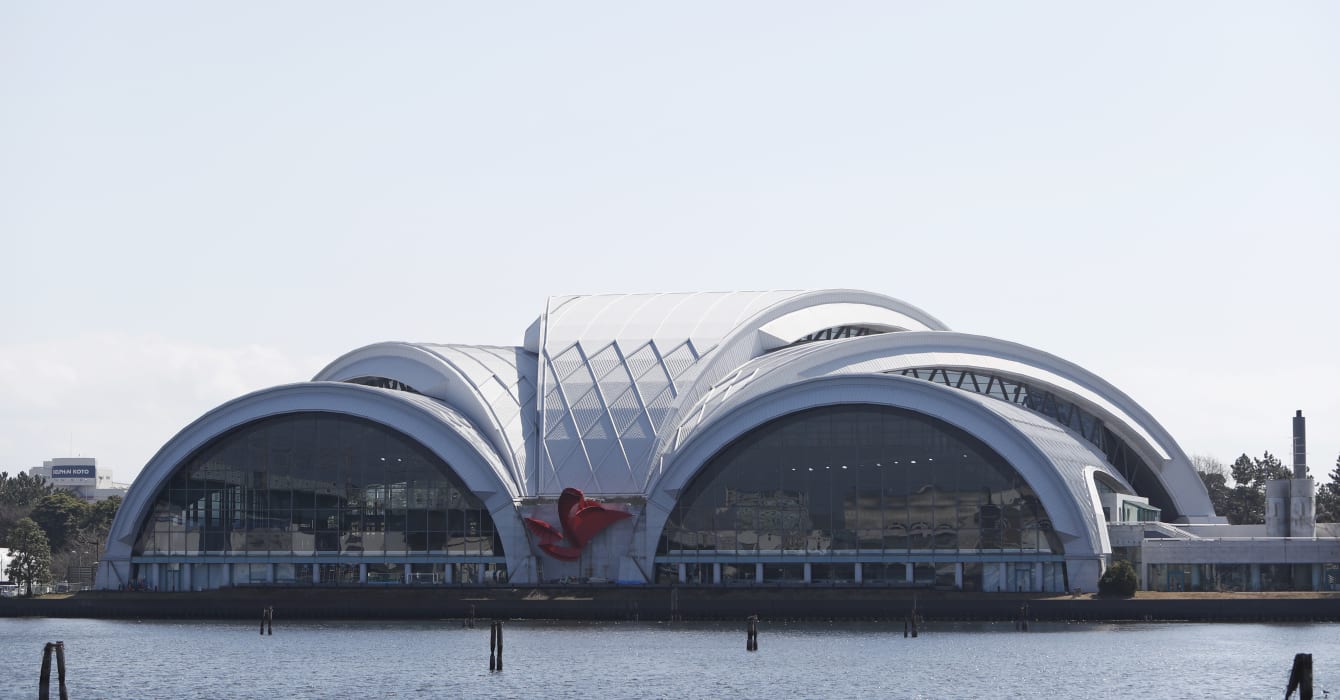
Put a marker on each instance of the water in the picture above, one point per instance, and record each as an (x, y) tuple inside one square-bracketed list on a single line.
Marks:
[(117, 659)]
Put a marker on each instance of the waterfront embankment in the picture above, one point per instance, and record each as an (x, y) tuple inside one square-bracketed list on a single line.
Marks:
[(665, 603)]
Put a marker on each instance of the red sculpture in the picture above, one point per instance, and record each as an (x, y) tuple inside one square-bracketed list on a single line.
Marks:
[(581, 520)]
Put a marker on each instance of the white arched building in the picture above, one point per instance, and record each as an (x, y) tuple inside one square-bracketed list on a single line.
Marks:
[(824, 436)]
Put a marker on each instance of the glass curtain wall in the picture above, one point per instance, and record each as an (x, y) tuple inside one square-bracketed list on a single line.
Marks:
[(317, 483), (857, 479)]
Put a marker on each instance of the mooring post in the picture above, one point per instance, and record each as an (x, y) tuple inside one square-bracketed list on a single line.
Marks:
[(44, 680), (493, 646), (470, 621), (916, 619), (1300, 677), (500, 645), (65, 695), (905, 627), (751, 634), (270, 620)]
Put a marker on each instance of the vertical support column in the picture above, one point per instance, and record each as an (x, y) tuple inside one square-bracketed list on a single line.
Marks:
[(958, 575), (809, 573), (227, 574), (1255, 577), (362, 573), (858, 572), (1316, 576), (908, 572), (716, 573), (446, 573), (683, 572), (186, 582), (270, 573), (153, 576), (1005, 583), (1036, 583), (1195, 577), (1144, 576), (758, 572), (409, 574)]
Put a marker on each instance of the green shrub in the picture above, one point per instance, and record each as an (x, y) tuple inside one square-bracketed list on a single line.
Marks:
[(1119, 580)]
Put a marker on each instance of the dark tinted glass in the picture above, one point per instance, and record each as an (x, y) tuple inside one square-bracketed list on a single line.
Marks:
[(316, 483), (857, 478)]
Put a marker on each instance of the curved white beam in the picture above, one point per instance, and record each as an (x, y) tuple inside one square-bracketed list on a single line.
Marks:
[(1056, 474), (435, 426), (892, 352), (492, 386), (757, 335)]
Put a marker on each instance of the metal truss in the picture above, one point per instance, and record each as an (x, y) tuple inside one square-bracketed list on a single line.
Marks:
[(1060, 410)]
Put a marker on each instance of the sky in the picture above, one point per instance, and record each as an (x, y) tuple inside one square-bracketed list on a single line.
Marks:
[(199, 200)]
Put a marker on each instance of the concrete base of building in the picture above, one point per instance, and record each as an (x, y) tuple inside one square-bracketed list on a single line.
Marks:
[(653, 603)]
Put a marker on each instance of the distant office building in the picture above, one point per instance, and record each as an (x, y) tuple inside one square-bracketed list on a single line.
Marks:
[(79, 475), (739, 438)]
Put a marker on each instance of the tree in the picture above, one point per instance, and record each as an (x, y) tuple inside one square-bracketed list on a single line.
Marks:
[(32, 555), (1119, 580), (1247, 499), (1214, 475), (60, 515), (100, 514), (23, 489), (18, 495), (1246, 503), (1328, 497)]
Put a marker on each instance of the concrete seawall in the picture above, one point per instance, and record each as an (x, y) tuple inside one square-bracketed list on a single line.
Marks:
[(660, 603)]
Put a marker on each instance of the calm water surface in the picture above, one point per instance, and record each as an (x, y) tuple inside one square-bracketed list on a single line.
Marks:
[(113, 659)]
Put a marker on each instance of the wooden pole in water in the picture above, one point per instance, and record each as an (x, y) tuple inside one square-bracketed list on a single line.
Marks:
[(1300, 677), (493, 645), (500, 645), (44, 680), (270, 620), (65, 695)]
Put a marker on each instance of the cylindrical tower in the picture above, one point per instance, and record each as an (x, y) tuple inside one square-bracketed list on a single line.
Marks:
[(1277, 508)]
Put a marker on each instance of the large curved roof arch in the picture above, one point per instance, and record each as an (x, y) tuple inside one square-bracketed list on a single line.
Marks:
[(900, 351), (437, 427), (492, 386), (1054, 463), (617, 371)]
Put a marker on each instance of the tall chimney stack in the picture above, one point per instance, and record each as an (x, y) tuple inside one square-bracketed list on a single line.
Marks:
[(1299, 446)]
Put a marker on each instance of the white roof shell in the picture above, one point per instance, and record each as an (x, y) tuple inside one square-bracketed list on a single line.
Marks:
[(616, 371), (894, 352), (628, 395)]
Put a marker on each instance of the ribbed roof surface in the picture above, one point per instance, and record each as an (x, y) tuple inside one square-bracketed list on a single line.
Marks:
[(703, 318)]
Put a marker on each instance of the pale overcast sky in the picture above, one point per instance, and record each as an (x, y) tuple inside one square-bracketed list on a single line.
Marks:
[(202, 199)]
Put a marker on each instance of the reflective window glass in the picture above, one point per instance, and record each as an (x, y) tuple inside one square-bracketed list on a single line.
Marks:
[(304, 483), (857, 478)]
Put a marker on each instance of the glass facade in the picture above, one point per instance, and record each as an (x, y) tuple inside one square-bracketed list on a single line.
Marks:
[(1239, 577), (1063, 411), (860, 482), (316, 483)]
